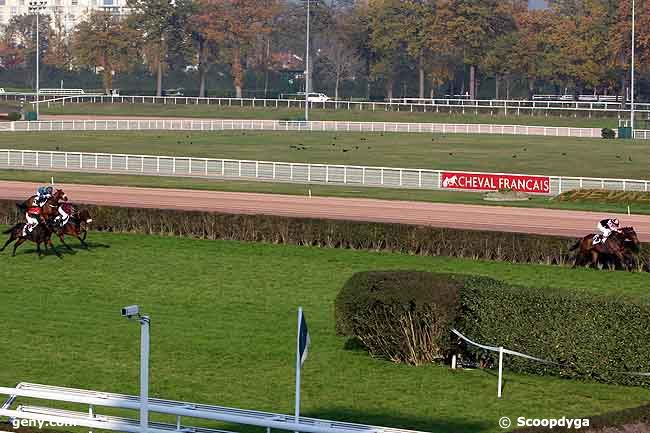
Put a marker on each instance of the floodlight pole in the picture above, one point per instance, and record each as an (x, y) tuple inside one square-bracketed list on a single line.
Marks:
[(632, 78), (307, 65), (36, 6)]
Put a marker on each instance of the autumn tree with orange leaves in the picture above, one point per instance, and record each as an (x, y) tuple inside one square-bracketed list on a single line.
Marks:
[(236, 26)]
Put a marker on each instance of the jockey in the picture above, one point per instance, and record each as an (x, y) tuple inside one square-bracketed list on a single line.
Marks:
[(33, 216), (43, 193), (607, 226), (64, 214)]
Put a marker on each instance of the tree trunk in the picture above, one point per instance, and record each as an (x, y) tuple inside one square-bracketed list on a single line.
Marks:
[(237, 72), (472, 82), (421, 70), (159, 78), (508, 88), (202, 68), (496, 89), (267, 62), (108, 80), (531, 88), (390, 82), (337, 84)]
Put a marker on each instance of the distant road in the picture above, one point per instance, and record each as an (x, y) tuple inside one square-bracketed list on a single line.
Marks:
[(493, 218)]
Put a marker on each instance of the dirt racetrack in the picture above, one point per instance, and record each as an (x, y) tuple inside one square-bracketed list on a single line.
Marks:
[(495, 218)]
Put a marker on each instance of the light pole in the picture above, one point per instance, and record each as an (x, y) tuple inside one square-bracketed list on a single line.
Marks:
[(307, 66), (36, 7), (632, 78), (130, 312)]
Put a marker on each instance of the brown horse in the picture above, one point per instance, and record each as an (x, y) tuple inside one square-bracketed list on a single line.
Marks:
[(40, 235), (50, 207), (619, 245), (76, 226)]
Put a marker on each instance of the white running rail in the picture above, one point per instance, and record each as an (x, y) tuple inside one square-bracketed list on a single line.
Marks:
[(281, 125), (290, 172)]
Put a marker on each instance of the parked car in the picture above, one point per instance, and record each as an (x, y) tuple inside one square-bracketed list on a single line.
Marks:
[(314, 97), (173, 92)]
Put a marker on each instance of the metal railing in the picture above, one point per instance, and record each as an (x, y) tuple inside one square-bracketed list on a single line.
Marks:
[(177, 409), (287, 172), (281, 125), (485, 106)]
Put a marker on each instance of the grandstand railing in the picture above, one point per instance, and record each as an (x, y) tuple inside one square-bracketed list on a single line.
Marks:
[(486, 106), (289, 172), (281, 125)]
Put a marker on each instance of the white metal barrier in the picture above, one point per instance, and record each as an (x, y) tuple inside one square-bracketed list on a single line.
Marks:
[(281, 125), (442, 105), (178, 409), (291, 172)]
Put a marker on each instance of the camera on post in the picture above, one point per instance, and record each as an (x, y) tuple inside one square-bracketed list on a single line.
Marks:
[(130, 311)]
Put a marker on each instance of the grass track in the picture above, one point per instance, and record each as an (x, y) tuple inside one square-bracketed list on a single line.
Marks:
[(223, 333), (224, 112), (513, 154)]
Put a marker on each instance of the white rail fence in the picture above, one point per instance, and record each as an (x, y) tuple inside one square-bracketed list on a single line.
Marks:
[(180, 410), (280, 125), (271, 171), (486, 106)]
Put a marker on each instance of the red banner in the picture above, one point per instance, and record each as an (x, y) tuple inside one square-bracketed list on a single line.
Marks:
[(494, 182)]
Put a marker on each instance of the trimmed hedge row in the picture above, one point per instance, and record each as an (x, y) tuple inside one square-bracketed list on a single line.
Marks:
[(588, 336), (417, 240), (403, 316), (583, 335)]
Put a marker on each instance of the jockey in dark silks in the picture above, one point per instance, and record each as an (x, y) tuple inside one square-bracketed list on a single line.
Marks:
[(43, 193), (33, 214), (64, 214)]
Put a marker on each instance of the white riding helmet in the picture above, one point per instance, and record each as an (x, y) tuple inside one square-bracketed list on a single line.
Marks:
[(615, 222)]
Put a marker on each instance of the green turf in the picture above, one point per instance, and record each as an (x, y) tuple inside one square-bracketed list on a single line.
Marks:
[(513, 154), (380, 115), (223, 332), (316, 190)]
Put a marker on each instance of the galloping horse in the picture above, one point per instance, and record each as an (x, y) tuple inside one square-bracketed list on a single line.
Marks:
[(50, 207), (40, 235), (77, 226), (621, 246)]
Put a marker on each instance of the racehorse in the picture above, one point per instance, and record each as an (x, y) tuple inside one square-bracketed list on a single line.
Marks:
[(50, 207), (40, 235), (620, 245), (76, 226)]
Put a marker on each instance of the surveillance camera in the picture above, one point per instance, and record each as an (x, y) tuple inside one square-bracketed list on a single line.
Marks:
[(130, 311)]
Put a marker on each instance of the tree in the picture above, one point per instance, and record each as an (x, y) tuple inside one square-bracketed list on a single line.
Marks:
[(20, 34), (390, 50), (237, 25), (474, 24), (104, 42), (59, 53), (339, 56), (163, 29)]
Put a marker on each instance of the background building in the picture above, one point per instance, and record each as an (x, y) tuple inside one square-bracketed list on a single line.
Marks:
[(70, 11)]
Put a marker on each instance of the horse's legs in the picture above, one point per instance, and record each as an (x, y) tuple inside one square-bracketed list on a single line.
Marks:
[(18, 243), (83, 243), (594, 258), (61, 236), (51, 245), (12, 238)]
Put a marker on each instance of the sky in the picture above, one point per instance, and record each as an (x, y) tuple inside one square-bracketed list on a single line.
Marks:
[(536, 4)]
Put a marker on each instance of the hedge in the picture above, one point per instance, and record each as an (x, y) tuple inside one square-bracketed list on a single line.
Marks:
[(403, 316), (408, 239), (588, 336)]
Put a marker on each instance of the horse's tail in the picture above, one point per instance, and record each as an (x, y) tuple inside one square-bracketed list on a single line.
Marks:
[(21, 206), (12, 229), (575, 246)]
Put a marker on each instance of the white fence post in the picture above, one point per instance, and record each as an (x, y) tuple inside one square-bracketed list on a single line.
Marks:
[(500, 387)]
